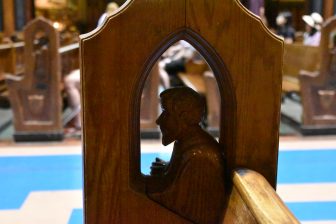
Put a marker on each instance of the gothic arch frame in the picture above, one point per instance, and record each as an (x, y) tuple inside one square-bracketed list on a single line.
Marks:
[(228, 114)]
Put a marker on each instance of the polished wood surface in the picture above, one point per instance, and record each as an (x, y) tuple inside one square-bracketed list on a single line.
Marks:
[(246, 59), (298, 57), (253, 200), (318, 88), (35, 97)]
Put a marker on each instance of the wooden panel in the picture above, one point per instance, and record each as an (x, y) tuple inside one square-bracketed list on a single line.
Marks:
[(109, 197), (297, 58), (246, 60), (252, 57), (35, 98)]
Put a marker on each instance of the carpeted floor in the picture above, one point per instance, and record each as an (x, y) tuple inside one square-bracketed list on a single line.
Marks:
[(43, 184)]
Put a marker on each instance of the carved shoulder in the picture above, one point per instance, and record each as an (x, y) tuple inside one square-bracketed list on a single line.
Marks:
[(204, 152), (198, 190)]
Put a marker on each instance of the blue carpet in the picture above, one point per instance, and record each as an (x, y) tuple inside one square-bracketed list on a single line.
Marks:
[(307, 166), (76, 217), (313, 211), (21, 175)]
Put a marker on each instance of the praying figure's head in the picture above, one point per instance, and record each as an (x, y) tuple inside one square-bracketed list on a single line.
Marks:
[(182, 108)]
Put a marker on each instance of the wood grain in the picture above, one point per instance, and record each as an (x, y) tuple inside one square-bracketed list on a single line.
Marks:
[(35, 98), (257, 196), (298, 57), (117, 58)]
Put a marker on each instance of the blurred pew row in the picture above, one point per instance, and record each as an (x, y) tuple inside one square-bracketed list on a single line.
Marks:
[(32, 74), (310, 73)]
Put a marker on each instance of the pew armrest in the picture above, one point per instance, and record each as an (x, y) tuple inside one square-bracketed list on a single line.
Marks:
[(259, 198)]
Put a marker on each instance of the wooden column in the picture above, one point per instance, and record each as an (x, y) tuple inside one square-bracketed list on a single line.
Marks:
[(328, 9), (29, 11), (8, 17)]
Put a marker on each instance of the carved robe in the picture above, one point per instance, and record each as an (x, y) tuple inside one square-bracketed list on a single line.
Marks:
[(197, 189)]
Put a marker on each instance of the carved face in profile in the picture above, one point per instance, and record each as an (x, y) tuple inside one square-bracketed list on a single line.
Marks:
[(182, 108), (168, 122)]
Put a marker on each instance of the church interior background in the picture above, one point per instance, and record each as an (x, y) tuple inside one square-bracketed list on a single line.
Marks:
[(42, 173)]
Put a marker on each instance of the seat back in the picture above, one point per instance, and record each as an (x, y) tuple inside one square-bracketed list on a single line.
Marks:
[(35, 98), (117, 58), (300, 57)]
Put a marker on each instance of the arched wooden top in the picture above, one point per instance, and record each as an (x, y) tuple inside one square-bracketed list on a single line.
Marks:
[(45, 26), (247, 60)]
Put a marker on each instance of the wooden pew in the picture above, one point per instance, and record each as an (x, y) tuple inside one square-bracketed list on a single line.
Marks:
[(318, 89), (298, 57), (149, 109), (11, 61), (201, 79), (206, 85), (12, 65), (237, 46), (213, 102), (193, 77), (35, 97), (69, 55)]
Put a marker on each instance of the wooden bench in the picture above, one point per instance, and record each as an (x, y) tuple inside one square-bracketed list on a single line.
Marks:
[(298, 57), (114, 69), (149, 109), (318, 88), (35, 97), (213, 102), (11, 62), (199, 77)]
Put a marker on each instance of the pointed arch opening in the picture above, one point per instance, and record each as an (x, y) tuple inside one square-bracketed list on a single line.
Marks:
[(204, 72)]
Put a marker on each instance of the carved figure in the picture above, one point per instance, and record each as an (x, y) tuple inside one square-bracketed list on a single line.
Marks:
[(192, 184)]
